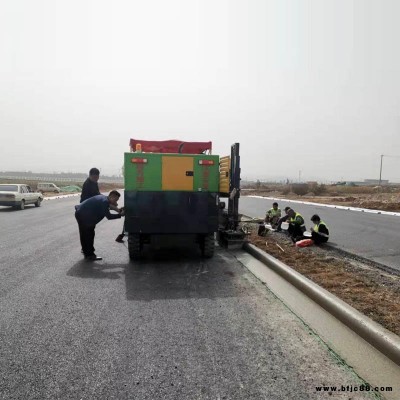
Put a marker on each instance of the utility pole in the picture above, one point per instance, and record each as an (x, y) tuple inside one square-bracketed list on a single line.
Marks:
[(380, 171), (299, 176)]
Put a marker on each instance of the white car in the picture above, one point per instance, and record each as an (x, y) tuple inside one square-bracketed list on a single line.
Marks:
[(47, 187), (17, 195)]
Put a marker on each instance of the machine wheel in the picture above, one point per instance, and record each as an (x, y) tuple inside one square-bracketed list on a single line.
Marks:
[(22, 205), (38, 203), (208, 246), (134, 246)]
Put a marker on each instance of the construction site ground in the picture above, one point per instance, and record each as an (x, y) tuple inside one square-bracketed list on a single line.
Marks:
[(362, 284)]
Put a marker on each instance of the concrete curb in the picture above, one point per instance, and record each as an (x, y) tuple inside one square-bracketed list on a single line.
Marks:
[(383, 340)]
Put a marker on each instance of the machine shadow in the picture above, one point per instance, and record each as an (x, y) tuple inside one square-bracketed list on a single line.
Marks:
[(182, 275)]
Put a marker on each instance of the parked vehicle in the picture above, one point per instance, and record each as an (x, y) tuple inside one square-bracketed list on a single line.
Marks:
[(172, 195), (47, 187), (18, 196)]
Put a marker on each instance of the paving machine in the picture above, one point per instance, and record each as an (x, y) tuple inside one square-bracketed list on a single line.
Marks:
[(173, 192)]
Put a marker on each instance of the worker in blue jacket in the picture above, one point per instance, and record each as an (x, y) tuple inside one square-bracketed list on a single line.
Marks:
[(89, 213)]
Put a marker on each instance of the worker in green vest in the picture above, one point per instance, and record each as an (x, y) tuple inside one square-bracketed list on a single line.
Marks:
[(296, 225), (320, 231), (282, 219), (273, 214)]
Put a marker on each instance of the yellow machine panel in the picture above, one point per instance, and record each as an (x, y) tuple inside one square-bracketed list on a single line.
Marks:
[(177, 173), (224, 170)]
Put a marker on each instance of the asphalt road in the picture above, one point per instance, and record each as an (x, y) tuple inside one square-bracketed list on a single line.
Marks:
[(172, 327), (372, 236)]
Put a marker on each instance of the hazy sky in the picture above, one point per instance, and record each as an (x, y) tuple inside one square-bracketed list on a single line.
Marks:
[(310, 86)]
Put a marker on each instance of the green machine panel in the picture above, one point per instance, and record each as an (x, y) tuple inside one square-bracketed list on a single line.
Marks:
[(206, 175), (144, 172)]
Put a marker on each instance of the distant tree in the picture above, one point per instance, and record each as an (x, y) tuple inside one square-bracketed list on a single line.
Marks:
[(300, 188), (318, 189)]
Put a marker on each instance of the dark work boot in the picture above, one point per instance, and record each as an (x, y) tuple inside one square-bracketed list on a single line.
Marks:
[(93, 257)]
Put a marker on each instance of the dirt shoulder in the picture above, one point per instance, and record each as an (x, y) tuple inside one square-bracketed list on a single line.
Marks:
[(373, 292)]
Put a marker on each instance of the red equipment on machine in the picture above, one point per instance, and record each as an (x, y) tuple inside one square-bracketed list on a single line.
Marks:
[(171, 146)]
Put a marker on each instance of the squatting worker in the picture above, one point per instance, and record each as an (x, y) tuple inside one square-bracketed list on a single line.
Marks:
[(296, 225), (91, 212), (90, 187), (282, 219), (320, 232), (273, 214)]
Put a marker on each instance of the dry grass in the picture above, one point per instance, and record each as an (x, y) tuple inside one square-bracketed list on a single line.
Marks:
[(351, 190), (369, 290)]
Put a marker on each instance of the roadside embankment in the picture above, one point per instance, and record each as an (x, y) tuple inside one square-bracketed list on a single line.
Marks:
[(369, 290)]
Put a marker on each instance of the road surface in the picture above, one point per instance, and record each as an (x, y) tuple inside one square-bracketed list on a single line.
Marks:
[(172, 327)]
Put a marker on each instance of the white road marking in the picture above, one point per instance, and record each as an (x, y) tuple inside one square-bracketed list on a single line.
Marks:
[(396, 214)]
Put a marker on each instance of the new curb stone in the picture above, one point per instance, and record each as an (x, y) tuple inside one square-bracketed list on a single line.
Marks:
[(382, 339)]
